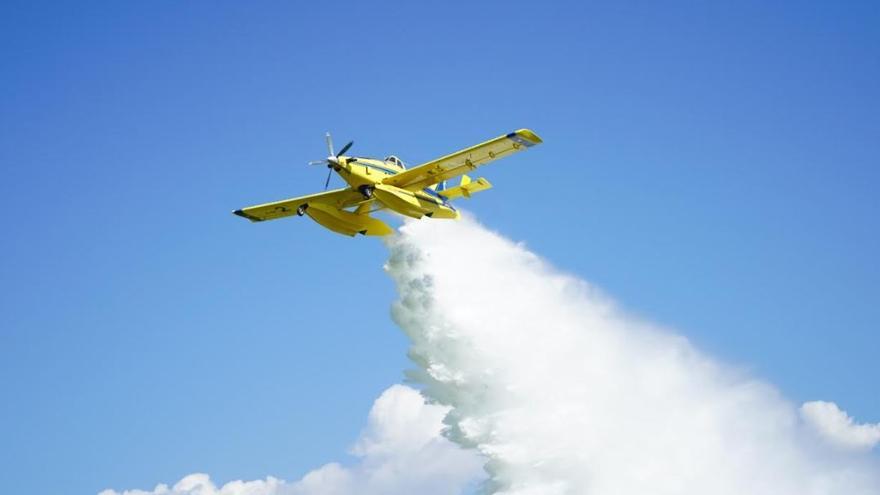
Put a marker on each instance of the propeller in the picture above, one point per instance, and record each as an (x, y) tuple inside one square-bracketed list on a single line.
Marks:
[(329, 143), (344, 149), (333, 159)]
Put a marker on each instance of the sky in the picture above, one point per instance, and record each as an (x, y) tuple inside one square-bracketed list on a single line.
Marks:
[(711, 167)]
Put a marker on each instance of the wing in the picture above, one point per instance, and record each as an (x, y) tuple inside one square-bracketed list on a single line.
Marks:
[(339, 198), (463, 161)]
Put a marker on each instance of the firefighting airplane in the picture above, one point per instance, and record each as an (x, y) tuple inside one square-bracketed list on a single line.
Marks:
[(375, 185)]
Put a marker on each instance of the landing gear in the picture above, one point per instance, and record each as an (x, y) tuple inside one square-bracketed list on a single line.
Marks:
[(366, 191), (301, 209)]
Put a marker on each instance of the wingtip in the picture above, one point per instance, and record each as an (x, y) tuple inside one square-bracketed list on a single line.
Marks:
[(242, 214), (530, 135)]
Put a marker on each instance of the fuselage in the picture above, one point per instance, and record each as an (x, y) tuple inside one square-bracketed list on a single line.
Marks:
[(366, 175)]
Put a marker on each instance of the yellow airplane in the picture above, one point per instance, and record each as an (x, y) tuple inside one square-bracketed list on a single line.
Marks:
[(375, 185)]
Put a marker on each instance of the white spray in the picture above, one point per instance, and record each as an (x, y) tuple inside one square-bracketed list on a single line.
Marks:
[(563, 394)]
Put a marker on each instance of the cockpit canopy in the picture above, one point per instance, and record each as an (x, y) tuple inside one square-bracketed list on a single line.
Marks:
[(395, 161)]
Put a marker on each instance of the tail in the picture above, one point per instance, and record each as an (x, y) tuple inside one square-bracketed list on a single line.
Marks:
[(466, 187)]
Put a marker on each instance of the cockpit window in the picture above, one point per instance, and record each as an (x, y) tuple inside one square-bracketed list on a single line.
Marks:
[(396, 161)]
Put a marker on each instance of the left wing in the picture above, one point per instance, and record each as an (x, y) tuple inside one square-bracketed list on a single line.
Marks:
[(338, 198), (463, 161)]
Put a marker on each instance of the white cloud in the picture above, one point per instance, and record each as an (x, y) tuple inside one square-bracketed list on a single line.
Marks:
[(201, 484), (401, 451), (564, 393), (837, 427)]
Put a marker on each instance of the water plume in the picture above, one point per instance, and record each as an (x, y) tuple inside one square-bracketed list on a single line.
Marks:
[(564, 393)]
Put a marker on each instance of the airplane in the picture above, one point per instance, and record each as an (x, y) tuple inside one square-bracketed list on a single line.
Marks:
[(375, 185)]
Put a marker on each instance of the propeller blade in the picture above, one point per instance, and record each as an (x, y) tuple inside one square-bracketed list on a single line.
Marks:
[(330, 144), (318, 162), (345, 148), (327, 182)]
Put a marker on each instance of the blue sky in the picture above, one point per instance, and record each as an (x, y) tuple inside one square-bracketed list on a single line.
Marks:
[(712, 167)]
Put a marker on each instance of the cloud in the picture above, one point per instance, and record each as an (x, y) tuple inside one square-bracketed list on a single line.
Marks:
[(401, 451), (838, 428), (201, 484), (563, 392)]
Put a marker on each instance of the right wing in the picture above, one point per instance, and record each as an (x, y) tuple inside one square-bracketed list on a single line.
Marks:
[(339, 198), (463, 161)]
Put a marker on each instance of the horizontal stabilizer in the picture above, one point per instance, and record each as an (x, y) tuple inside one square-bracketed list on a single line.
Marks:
[(467, 187)]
